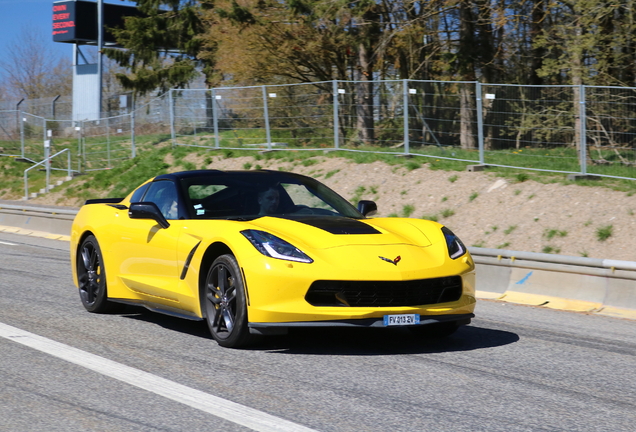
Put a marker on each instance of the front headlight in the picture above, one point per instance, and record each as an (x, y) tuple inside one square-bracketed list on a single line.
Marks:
[(455, 246), (275, 247)]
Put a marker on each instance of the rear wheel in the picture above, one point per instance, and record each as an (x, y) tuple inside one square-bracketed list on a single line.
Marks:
[(225, 304), (91, 277)]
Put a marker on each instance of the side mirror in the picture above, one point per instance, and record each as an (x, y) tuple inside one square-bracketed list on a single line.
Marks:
[(367, 208), (147, 210)]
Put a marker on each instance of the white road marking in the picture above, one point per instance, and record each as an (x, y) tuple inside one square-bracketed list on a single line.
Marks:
[(231, 411), (8, 244)]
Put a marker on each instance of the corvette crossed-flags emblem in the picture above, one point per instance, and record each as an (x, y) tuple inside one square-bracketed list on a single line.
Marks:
[(392, 261)]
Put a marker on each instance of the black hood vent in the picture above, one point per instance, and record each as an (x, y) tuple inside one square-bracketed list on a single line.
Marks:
[(336, 224)]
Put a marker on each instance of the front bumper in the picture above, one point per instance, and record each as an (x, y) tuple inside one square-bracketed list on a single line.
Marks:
[(281, 328), (277, 290)]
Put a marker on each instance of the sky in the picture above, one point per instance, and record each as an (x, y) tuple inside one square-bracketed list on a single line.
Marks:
[(36, 15)]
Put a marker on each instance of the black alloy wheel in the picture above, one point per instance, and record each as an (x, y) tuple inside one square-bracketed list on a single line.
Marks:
[(225, 305), (91, 277)]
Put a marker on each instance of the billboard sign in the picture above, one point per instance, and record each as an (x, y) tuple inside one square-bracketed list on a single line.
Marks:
[(76, 21), (63, 21)]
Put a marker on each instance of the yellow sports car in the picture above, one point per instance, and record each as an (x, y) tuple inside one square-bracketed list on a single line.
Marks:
[(258, 252)]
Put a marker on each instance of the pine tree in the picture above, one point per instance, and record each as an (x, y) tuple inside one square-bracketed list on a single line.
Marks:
[(160, 49)]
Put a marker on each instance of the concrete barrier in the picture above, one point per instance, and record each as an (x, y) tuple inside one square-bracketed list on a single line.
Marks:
[(41, 221), (555, 281)]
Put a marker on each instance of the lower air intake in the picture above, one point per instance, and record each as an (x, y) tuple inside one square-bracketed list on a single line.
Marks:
[(385, 293)]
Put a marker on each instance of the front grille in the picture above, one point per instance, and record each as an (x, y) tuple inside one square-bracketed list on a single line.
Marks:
[(385, 293)]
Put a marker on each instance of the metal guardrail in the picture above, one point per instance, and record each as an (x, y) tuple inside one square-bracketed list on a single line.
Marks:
[(37, 209), (501, 254)]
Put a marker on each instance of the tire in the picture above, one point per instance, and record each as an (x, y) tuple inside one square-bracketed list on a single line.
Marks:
[(91, 277), (435, 331), (225, 305)]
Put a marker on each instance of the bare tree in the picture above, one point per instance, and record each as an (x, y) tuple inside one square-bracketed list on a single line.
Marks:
[(31, 70)]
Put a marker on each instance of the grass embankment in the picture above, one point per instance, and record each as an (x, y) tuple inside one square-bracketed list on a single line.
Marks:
[(155, 155)]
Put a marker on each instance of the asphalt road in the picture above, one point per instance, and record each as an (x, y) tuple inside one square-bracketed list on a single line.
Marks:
[(514, 368)]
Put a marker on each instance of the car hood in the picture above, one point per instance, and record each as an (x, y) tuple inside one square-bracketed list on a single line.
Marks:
[(321, 232)]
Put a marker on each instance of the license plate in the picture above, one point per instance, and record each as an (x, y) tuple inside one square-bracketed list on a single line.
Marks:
[(401, 320)]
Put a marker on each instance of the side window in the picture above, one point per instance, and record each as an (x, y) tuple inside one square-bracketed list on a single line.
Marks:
[(164, 194), (200, 192), (139, 193)]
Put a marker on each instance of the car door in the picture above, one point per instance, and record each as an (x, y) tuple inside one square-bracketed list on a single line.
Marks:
[(148, 253)]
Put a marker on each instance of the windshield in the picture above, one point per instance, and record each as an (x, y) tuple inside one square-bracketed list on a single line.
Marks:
[(252, 194)]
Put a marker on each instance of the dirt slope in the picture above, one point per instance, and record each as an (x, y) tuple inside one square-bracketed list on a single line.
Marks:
[(482, 209)]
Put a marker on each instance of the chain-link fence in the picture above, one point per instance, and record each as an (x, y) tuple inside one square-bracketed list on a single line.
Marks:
[(9, 133), (105, 142), (57, 107), (568, 129)]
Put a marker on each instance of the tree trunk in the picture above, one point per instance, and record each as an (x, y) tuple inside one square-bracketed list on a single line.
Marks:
[(467, 123), (364, 98), (537, 54), (467, 52)]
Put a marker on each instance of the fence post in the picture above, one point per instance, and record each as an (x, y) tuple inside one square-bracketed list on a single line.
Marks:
[(405, 109), (336, 120), (44, 133), (47, 163), (21, 125), (215, 118), (172, 128), (81, 147), (583, 137), (133, 146), (53, 105), (108, 140), (266, 118), (480, 122), (68, 163)]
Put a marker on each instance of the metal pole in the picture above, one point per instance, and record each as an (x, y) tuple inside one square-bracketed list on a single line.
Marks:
[(480, 123), (172, 132), (194, 120), (68, 163), (53, 105), (81, 148), (132, 130), (20, 126), (21, 119), (266, 115), (405, 109), (583, 137), (108, 140), (100, 43), (215, 119), (47, 163), (46, 133), (336, 120)]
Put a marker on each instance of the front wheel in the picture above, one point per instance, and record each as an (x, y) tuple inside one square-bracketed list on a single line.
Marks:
[(91, 277), (225, 305)]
